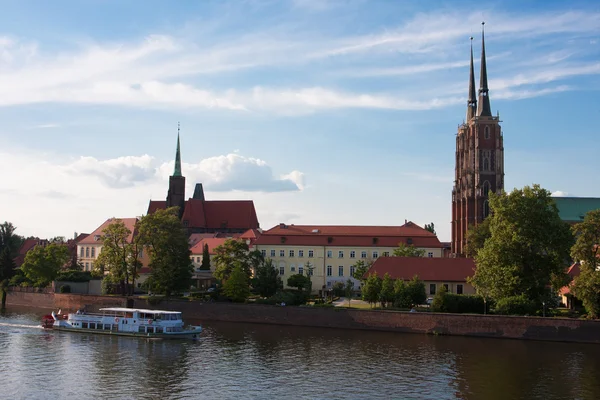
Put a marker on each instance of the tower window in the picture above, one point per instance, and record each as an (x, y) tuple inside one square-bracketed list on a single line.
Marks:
[(486, 188), (486, 164), (486, 209), (486, 132)]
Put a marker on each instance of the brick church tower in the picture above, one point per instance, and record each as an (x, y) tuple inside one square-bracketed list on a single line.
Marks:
[(479, 160), (176, 193)]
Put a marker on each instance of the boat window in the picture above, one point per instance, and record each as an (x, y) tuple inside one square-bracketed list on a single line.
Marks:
[(142, 329), (178, 317), (107, 327), (158, 329), (92, 325), (150, 329), (84, 324), (99, 326)]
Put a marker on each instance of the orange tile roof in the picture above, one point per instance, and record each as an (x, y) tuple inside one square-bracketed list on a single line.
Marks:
[(348, 235), (212, 243), (129, 223), (196, 237), (438, 269)]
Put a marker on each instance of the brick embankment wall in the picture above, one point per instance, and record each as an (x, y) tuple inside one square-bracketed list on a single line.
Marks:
[(34, 300), (66, 301)]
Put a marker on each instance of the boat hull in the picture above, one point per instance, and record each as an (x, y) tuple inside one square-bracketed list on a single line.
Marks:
[(188, 334)]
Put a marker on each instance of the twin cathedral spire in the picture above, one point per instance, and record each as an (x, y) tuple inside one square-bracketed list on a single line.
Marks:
[(483, 109)]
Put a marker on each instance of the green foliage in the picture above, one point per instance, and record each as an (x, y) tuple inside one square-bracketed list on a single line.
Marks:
[(386, 295), (528, 249), (165, 239), (430, 227), (298, 281), (404, 250), (74, 276), (587, 251), (349, 290), (458, 303), (7, 265), (267, 281), (205, 266), (338, 289), (439, 300), (154, 300), (65, 289), (43, 263), (236, 287), (9, 239), (19, 279), (360, 269), (409, 294), (516, 305), (371, 289), (476, 237), (234, 252)]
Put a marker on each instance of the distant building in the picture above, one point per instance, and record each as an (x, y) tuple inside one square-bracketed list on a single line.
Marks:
[(331, 251), (205, 216), (573, 209), (434, 272)]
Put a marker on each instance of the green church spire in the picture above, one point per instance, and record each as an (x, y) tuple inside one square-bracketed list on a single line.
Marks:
[(177, 171)]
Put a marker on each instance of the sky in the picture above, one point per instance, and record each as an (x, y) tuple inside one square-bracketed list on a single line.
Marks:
[(321, 111)]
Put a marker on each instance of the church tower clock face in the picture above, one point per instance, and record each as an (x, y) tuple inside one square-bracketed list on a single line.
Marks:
[(479, 168)]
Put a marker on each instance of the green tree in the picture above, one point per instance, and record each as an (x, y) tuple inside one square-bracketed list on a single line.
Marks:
[(430, 227), (476, 237), (386, 295), (586, 250), (43, 263), (349, 290), (9, 239), (371, 289), (267, 281), (360, 269), (404, 250), (439, 304), (205, 266), (298, 281), (162, 234), (416, 291), (7, 270), (401, 295), (232, 252), (236, 287), (528, 249), (119, 256)]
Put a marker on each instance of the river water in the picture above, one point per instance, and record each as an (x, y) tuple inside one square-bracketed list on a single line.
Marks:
[(243, 361)]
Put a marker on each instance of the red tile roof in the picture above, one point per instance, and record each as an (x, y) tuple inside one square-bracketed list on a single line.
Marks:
[(574, 270), (156, 205), (27, 245), (348, 235), (196, 237), (212, 243), (426, 268), (91, 238)]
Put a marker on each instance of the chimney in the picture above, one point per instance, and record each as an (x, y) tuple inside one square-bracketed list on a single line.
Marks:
[(282, 225)]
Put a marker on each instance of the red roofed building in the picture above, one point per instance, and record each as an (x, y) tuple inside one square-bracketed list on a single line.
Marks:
[(27, 245), (198, 250), (434, 272), (331, 251), (205, 216)]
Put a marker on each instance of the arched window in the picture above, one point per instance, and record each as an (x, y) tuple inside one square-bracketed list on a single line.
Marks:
[(486, 132), (486, 209), (486, 188), (486, 163)]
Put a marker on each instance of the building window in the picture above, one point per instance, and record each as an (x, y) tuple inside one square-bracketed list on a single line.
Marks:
[(141, 253), (87, 252), (486, 209), (341, 254), (281, 253), (272, 253), (386, 254), (486, 132), (486, 164), (352, 269), (91, 266), (93, 252), (432, 288), (430, 254), (447, 287), (301, 270), (329, 270), (352, 254), (300, 253), (263, 253), (81, 252), (341, 270), (291, 253), (329, 284), (310, 271), (292, 268), (486, 188), (459, 289), (375, 254), (363, 254), (87, 266), (281, 270), (329, 254), (311, 254)]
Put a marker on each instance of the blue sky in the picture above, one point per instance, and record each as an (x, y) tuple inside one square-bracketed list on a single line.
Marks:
[(322, 112)]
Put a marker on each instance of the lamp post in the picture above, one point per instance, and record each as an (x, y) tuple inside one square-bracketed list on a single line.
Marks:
[(484, 306), (543, 308)]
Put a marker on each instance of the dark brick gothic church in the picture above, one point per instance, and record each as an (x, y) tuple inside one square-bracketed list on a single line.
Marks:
[(479, 159)]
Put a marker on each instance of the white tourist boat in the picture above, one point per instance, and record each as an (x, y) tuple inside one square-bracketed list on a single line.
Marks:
[(157, 324)]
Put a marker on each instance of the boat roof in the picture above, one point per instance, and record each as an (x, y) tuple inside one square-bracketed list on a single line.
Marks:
[(123, 309)]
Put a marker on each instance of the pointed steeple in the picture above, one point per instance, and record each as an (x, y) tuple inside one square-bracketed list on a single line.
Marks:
[(472, 101), (177, 171), (483, 109)]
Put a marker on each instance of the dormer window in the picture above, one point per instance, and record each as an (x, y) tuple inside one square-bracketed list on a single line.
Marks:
[(96, 237)]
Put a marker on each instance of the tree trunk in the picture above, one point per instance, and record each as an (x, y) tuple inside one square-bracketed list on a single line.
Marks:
[(3, 299)]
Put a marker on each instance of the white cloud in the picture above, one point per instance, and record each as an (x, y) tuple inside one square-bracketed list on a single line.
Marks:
[(560, 193)]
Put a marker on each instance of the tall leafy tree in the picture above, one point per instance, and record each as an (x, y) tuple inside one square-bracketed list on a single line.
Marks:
[(386, 296), (349, 290), (236, 287), (267, 281), (43, 263), (430, 227), (235, 251), (404, 250), (528, 249), (476, 237), (164, 238), (587, 251), (371, 289), (360, 269), (9, 239), (7, 270), (205, 266)]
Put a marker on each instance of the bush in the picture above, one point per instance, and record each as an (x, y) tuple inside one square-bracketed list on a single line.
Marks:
[(339, 289), (515, 305), (65, 289), (74, 276), (459, 303), (154, 300)]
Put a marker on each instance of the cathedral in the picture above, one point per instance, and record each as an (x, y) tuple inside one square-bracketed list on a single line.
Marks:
[(479, 161), (199, 215)]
